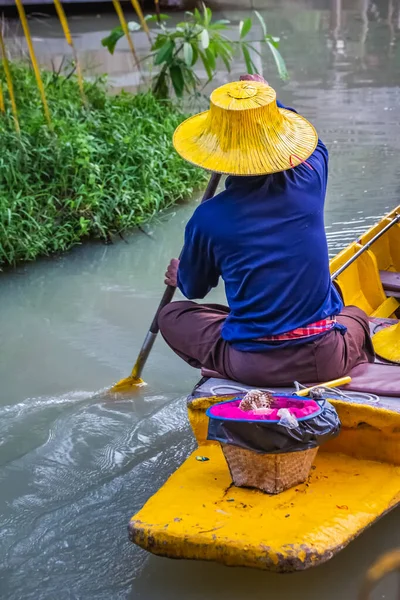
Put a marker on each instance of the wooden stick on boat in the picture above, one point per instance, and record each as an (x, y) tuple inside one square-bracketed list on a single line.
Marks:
[(134, 378), (328, 384)]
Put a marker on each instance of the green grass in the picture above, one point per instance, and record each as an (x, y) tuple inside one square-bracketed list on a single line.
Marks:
[(103, 170)]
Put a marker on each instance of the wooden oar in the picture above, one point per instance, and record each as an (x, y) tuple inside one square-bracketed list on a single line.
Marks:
[(134, 379)]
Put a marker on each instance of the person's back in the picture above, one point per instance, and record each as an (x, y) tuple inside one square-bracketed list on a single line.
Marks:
[(264, 235)]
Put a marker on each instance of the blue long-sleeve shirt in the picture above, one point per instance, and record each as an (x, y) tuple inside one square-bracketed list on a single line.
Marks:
[(265, 237)]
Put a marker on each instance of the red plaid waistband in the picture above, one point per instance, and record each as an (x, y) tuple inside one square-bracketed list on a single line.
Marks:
[(303, 332)]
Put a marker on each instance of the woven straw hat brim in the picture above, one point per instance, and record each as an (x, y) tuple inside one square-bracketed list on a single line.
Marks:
[(259, 152), (387, 343)]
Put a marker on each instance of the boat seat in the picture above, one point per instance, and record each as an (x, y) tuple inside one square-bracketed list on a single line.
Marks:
[(390, 282), (360, 284), (386, 249), (377, 378)]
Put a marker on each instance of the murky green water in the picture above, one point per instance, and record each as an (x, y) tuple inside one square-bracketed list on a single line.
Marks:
[(75, 467)]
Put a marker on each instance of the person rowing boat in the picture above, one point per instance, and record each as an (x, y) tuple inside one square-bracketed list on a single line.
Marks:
[(264, 236)]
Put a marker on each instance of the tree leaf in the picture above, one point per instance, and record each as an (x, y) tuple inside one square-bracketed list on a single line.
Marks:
[(255, 70), (226, 47), (160, 87), (195, 54), (262, 22), (251, 47), (133, 26), (165, 52), (226, 62), (210, 57), (206, 65), (280, 63), (191, 80), (223, 50), (159, 41), (188, 53), (207, 15), (111, 40), (177, 79), (220, 24), (205, 39), (272, 40), (244, 27), (155, 18), (247, 59), (178, 34)]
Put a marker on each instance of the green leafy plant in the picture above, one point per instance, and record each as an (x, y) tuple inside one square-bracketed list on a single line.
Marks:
[(116, 34), (104, 169), (199, 39)]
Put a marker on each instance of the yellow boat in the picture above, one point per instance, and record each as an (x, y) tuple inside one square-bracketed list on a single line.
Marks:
[(199, 514)]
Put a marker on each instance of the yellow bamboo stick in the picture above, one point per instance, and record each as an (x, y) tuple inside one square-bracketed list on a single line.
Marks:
[(142, 20), (9, 83), (25, 27), (125, 29), (328, 384), (157, 5), (2, 106), (64, 24)]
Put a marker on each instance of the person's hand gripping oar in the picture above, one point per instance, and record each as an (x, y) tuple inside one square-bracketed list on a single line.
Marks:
[(134, 380)]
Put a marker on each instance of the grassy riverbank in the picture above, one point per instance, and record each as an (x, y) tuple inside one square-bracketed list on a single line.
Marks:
[(103, 170)]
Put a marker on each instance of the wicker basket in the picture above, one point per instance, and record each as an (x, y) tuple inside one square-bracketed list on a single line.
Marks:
[(271, 473)]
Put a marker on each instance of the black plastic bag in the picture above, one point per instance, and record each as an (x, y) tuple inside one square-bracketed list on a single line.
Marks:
[(268, 437)]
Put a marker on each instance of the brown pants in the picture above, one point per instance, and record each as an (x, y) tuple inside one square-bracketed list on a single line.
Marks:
[(193, 331)]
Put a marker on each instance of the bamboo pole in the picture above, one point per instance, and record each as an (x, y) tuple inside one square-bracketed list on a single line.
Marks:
[(125, 29), (67, 32), (157, 5), (2, 106), (142, 20), (9, 84), (25, 27)]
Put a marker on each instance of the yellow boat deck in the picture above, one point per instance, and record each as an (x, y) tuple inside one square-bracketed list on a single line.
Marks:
[(199, 514)]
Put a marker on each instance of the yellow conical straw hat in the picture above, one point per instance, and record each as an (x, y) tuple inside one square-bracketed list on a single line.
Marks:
[(387, 343), (245, 133)]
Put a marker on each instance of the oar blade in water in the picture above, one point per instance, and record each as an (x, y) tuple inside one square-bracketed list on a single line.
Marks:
[(128, 384)]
